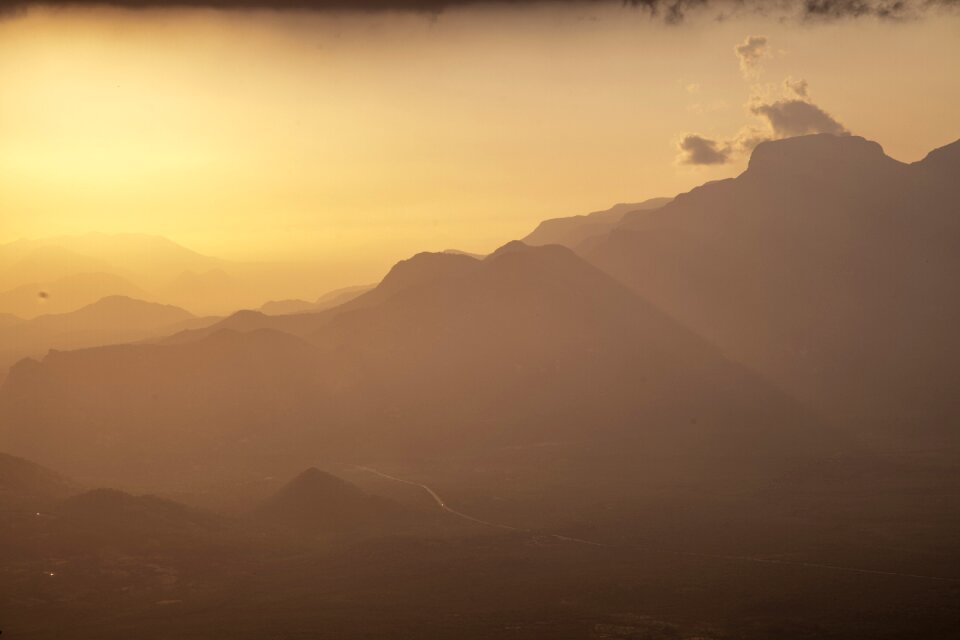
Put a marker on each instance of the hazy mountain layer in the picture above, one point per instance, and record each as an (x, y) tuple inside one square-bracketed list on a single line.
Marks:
[(573, 230), (111, 320), (449, 352)]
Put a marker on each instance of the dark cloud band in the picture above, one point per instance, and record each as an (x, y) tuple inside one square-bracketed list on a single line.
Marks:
[(671, 11)]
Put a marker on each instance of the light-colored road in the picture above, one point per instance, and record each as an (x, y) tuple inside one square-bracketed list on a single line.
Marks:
[(694, 554), (443, 505)]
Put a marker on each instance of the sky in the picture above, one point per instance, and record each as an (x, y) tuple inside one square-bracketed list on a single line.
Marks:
[(366, 137)]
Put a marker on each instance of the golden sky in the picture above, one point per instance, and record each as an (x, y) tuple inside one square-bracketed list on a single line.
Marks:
[(251, 134)]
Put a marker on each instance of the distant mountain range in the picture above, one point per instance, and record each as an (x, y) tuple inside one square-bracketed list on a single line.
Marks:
[(134, 256), (448, 352), (805, 307), (25, 485), (66, 294), (312, 503), (62, 274), (111, 320), (326, 301), (318, 502)]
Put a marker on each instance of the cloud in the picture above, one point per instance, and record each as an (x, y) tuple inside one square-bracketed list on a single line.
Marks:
[(798, 87), (750, 52), (697, 150), (668, 11), (782, 111), (796, 117), (748, 138)]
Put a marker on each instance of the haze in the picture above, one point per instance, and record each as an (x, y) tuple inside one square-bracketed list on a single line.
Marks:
[(455, 320)]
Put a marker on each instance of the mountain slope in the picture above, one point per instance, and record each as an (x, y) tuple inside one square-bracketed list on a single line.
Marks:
[(66, 294), (25, 485), (134, 523), (319, 502), (111, 320), (824, 266), (447, 354), (571, 231), (326, 301)]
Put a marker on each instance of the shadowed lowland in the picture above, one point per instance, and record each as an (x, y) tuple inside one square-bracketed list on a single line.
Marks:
[(302, 334)]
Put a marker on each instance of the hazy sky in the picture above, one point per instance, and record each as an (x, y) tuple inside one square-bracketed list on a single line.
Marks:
[(375, 136)]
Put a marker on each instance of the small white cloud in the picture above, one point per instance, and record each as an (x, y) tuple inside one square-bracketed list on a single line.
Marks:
[(750, 52)]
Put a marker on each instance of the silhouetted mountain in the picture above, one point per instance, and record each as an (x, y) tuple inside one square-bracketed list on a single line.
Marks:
[(66, 294), (478, 256), (420, 270), (285, 307), (448, 352), (319, 502), (130, 522), (827, 266), (340, 296), (111, 320), (25, 485), (8, 319), (571, 231), (326, 301)]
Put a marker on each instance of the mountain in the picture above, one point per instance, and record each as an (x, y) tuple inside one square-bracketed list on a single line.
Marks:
[(25, 485), (8, 320), (130, 255), (340, 296), (108, 517), (319, 502), (326, 301), (449, 353), (113, 313), (111, 320), (285, 307), (66, 294), (478, 256), (827, 266), (573, 230)]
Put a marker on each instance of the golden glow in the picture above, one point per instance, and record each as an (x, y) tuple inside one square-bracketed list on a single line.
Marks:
[(365, 139)]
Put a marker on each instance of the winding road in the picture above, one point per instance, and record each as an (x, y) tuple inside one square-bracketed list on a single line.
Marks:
[(695, 554)]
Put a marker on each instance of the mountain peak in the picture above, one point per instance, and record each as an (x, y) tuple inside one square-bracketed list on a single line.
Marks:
[(424, 268), (945, 158), (816, 152), (314, 478), (518, 250), (316, 500), (511, 247)]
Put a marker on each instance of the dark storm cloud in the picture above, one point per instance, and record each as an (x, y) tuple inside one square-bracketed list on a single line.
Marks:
[(669, 11), (697, 150)]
